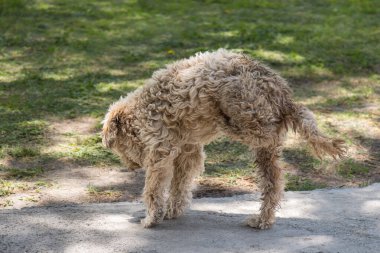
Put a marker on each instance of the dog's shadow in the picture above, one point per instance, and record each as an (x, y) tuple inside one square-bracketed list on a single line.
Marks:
[(196, 219), (137, 216)]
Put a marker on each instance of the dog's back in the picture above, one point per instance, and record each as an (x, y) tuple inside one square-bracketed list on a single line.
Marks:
[(218, 92)]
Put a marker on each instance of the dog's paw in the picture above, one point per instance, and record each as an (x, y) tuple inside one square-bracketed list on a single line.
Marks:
[(148, 222), (255, 221), (170, 215), (174, 209), (173, 212)]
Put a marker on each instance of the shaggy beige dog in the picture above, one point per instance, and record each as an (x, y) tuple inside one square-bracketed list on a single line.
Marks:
[(163, 126)]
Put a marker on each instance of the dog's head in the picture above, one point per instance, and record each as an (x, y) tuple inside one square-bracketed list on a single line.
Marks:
[(111, 126), (118, 135)]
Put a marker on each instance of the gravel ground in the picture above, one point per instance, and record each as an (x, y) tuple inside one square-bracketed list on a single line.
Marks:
[(337, 220)]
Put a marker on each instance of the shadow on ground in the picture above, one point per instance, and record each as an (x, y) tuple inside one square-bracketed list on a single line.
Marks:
[(323, 221)]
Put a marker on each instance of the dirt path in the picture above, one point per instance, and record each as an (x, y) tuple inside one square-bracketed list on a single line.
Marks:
[(345, 220)]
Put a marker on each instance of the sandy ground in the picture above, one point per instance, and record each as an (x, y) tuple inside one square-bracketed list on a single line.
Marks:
[(337, 220)]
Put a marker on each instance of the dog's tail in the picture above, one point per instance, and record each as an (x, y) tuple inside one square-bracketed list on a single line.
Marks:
[(303, 122)]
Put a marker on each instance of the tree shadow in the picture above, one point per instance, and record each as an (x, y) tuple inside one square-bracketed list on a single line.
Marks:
[(110, 227)]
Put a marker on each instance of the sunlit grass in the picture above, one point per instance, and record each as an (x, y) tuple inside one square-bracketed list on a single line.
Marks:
[(103, 193), (89, 151), (68, 59), (277, 56), (8, 187)]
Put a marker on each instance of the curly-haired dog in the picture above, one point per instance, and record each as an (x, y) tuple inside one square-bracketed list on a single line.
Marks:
[(163, 126)]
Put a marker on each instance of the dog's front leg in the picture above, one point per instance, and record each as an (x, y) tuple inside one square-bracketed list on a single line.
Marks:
[(271, 185), (159, 172), (188, 165)]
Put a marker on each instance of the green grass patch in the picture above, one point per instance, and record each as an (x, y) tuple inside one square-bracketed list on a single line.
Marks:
[(301, 158), (6, 188), (91, 189), (351, 168), (103, 192), (228, 160), (9, 6), (29, 199), (331, 130), (90, 151), (19, 152), (23, 173), (21, 139), (345, 101), (226, 150), (230, 175), (349, 94), (43, 184), (297, 183), (28, 131)]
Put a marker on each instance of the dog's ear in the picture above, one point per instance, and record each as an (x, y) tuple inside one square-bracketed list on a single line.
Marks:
[(111, 126)]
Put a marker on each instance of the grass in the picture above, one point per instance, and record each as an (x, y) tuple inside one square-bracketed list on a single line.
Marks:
[(224, 153), (8, 187), (103, 193), (228, 160), (90, 151), (351, 168), (20, 151), (304, 160), (23, 173), (297, 183), (6, 203), (43, 184), (68, 59), (230, 175)]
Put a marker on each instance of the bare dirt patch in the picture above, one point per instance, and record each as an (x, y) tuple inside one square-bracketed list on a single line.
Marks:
[(63, 132), (216, 187)]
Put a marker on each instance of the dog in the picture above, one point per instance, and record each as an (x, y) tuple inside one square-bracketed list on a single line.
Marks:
[(164, 125)]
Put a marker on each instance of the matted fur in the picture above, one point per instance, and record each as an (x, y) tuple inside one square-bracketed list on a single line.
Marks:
[(163, 126)]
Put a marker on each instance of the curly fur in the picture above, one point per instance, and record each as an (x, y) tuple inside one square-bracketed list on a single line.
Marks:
[(163, 126)]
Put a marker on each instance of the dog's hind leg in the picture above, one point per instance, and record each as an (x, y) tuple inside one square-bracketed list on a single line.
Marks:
[(188, 165), (271, 185), (159, 172)]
